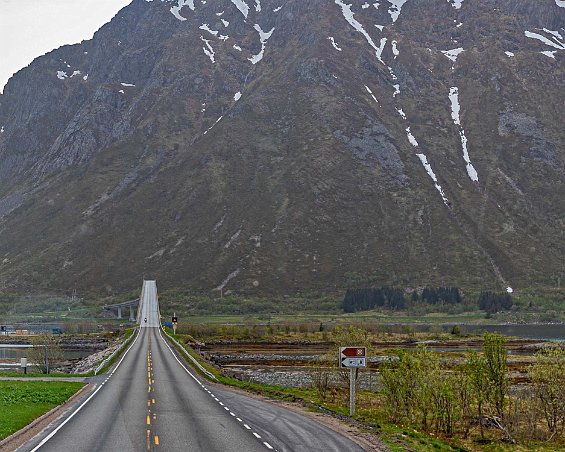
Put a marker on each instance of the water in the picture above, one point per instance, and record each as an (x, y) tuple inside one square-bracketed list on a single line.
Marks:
[(541, 332)]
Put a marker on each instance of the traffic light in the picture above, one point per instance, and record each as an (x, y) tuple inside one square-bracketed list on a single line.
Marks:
[(175, 320)]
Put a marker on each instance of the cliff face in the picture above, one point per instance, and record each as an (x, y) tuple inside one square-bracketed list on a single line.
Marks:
[(282, 146)]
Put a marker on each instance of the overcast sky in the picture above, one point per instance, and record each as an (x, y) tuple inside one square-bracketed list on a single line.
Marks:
[(31, 28)]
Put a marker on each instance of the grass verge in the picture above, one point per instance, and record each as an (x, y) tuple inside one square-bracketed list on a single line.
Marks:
[(21, 402)]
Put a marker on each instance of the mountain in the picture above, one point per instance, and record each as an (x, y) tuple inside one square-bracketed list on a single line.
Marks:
[(283, 146)]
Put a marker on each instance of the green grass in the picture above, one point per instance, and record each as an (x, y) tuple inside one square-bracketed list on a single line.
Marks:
[(40, 375), (23, 401)]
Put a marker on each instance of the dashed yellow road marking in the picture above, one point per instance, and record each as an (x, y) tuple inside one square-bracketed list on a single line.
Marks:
[(148, 420), (156, 440)]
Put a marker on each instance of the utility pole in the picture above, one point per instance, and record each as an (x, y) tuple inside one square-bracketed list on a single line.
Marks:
[(46, 357)]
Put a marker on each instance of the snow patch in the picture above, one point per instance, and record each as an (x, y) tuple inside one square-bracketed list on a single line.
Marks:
[(395, 8), (371, 93), (380, 49), (509, 289), (348, 14), (395, 51), (212, 126), (264, 37), (334, 44), (455, 3), (455, 110), (127, 84), (560, 3), (242, 6), (509, 54), (276, 10), (61, 75), (175, 10), (453, 53), (208, 50), (236, 47), (205, 27), (237, 96), (411, 138), (396, 90), (431, 173), (557, 45), (549, 53)]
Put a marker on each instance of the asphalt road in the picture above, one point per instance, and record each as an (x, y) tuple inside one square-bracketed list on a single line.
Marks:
[(154, 401)]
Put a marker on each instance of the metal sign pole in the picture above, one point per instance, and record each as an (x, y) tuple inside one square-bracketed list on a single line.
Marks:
[(175, 324), (351, 391)]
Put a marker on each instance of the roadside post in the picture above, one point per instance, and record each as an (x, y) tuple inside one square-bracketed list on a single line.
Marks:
[(352, 358), (46, 357), (174, 322), (23, 364)]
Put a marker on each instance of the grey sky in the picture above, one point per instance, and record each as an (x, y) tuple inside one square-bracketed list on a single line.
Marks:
[(31, 28)]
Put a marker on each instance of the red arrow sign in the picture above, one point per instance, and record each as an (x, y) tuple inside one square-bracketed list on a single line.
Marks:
[(353, 352)]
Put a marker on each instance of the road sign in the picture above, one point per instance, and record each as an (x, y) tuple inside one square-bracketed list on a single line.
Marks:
[(174, 320), (352, 357)]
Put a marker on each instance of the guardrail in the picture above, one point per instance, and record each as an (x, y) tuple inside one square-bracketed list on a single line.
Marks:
[(196, 363), (113, 354)]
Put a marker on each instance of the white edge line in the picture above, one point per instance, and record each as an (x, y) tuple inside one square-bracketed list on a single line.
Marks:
[(52, 434), (190, 373)]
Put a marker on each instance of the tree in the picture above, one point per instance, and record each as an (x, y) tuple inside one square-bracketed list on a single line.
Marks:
[(478, 378), (46, 352), (548, 380), (495, 356)]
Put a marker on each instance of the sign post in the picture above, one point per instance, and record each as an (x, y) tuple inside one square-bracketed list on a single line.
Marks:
[(352, 358), (174, 322)]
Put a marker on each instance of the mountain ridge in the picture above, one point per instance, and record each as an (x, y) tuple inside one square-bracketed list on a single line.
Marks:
[(325, 153)]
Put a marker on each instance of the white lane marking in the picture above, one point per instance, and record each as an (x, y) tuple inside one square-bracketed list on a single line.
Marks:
[(239, 419), (232, 414), (52, 434), (268, 445), (190, 373)]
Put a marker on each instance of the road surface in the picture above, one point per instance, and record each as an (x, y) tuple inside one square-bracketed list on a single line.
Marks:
[(154, 401)]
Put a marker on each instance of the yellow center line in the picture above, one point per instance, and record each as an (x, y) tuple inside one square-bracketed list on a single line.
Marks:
[(156, 440), (148, 420)]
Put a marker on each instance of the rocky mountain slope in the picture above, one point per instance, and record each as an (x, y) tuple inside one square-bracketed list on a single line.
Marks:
[(291, 146)]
